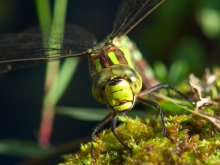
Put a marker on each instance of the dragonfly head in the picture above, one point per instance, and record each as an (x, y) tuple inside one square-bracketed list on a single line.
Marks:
[(119, 95), (117, 86)]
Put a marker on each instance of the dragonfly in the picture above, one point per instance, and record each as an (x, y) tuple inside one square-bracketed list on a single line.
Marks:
[(118, 80)]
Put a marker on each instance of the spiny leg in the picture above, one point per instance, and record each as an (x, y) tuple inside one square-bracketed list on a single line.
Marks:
[(114, 122), (99, 127), (157, 106), (164, 85)]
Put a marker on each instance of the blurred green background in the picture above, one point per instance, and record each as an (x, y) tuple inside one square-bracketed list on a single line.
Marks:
[(179, 38)]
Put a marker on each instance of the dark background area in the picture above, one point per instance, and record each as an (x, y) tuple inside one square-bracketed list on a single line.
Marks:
[(174, 31)]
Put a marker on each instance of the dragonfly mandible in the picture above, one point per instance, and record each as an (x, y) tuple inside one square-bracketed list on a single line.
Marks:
[(117, 82)]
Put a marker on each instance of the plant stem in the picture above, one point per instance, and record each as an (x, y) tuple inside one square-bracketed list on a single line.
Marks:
[(52, 76)]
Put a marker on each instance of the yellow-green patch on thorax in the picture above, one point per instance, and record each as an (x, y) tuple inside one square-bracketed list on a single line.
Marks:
[(108, 56)]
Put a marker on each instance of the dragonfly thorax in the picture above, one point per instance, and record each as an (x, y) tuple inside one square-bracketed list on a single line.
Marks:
[(117, 86), (109, 55)]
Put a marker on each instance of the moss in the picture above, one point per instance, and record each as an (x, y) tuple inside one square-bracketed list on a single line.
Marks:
[(195, 141), (195, 132)]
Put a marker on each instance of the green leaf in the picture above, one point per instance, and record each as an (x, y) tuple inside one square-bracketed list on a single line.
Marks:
[(24, 148), (208, 17), (191, 50), (44, 16), (88, 114), (160, 71), (178, 72), (95, 114)]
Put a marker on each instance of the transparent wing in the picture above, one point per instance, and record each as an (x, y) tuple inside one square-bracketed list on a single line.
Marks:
[(31, 46), (130, 13)]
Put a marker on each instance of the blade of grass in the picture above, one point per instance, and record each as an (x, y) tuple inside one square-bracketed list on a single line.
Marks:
[(94, 114), (214, 119), (44, 14), (53, 91), (23, 149)]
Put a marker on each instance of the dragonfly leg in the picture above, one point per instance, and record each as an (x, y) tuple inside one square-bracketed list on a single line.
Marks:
[(157, 106), (114, 123), (99, 127), (164, 85)]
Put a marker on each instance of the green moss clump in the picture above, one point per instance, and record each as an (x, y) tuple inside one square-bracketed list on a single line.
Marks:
[(195, 141)]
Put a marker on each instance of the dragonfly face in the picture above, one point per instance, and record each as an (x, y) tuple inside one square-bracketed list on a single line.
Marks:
[(119, 95), (115, 81)]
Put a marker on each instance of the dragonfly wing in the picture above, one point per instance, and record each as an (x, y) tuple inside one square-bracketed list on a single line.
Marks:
[(31, 46), (130, 13), (7, 67)]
